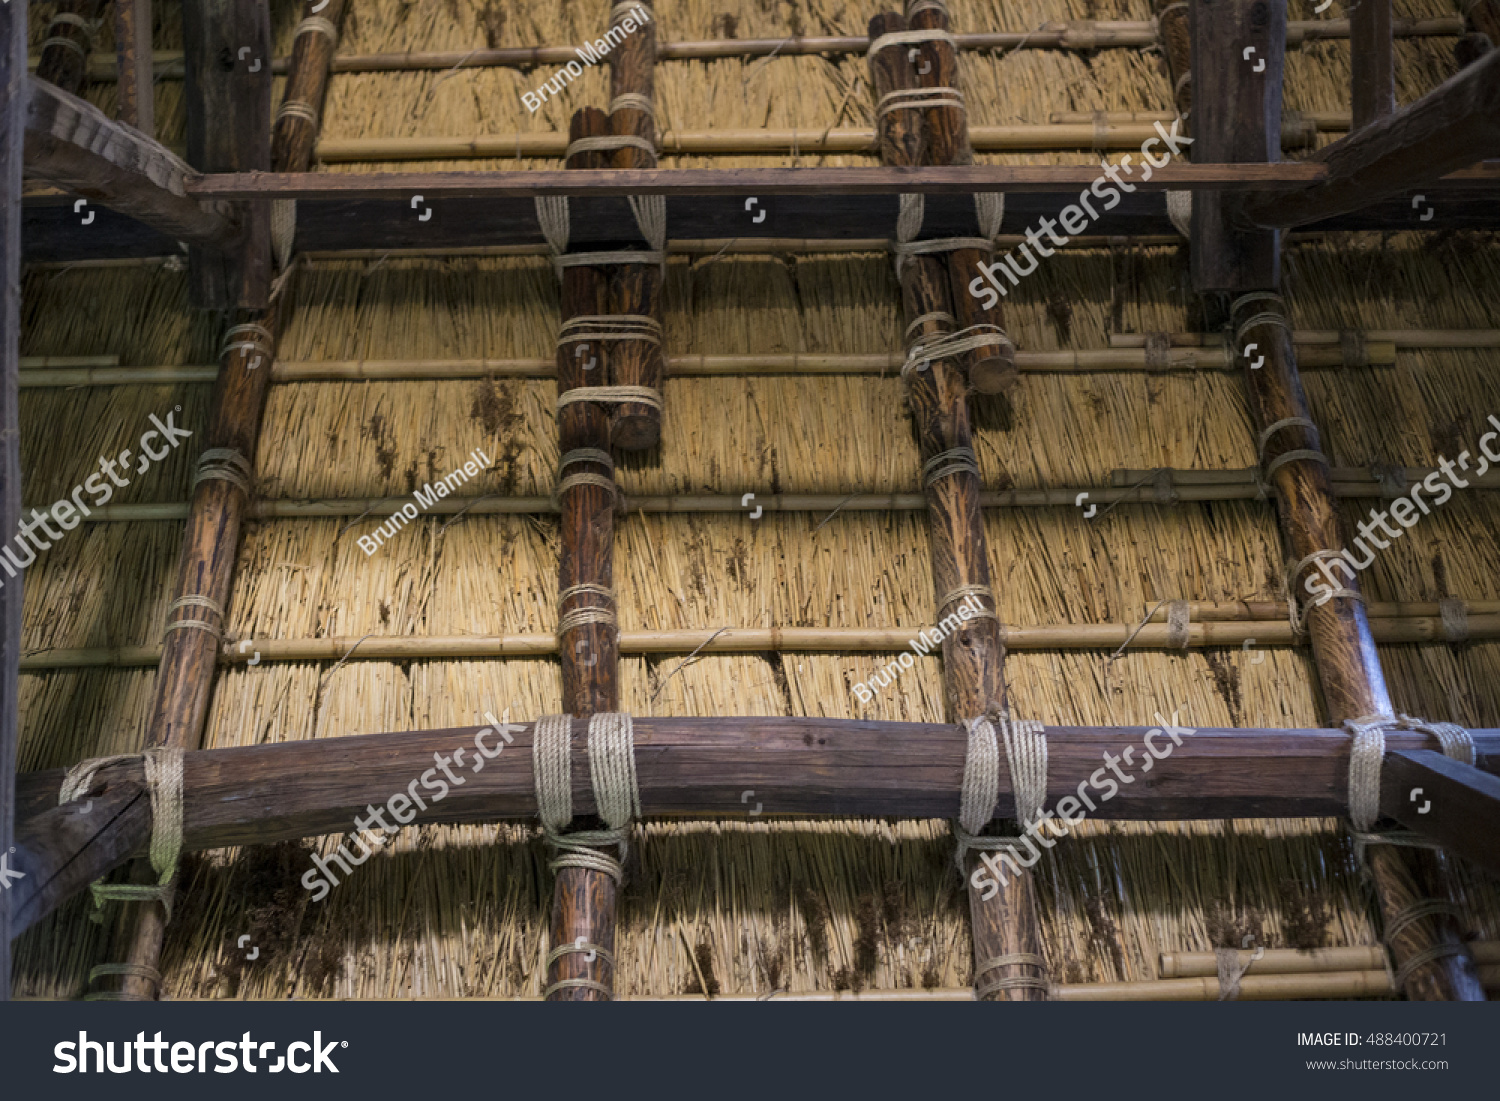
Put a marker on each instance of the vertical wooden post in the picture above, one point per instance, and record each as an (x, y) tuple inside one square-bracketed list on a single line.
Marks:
[(635, 288), (1237, 120), (973, 655), (65, 51), (583, 900), (1348, 666), (990, 369), (227, 85), (137, 73), (1372, 59), (12, 156), (184, 680)]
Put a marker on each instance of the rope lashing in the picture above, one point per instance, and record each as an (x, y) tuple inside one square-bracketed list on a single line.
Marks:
[(1180, 211), (608, 259), (316, 24), (1230, 971), (903, 99), (956, 460), (1025, 744), (633, 101), (1367, 752), (1158, 348), (1013, 982), (953, 596), (621, 10), (224, 464), (552, 762), (163, 767), (1179, 613), (70, 19), (617, 794), (297, 109), (619, 326), (1295, 600), (552, 216), (917, 6), (611, 749), (284, 228), (1392, 479), (1352, 350), (650, 210), (195, 600), (579, 617), (1455, 615), (938, 346), (611, 395), (1285, 457), (909, 38), (608, 143), (135, 970), (263, 340)]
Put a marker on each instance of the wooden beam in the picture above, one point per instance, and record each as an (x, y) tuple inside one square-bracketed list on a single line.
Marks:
[(1452, 125), (812, 767), (1349, 670), (1372, 61), (74, 145), (228, 99), (136, 79), (1281, 177), (13, 81), (1456, 805), (1482, 26), (64, 849), (1239, 49)]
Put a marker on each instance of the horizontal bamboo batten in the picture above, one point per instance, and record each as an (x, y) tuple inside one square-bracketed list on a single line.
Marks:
[(1393, 627), (1130, 487), (1307, 338), (1071, 35), (815, 140), (1287, 961), (682, 366)]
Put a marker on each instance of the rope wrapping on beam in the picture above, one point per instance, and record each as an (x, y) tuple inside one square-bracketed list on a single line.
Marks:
[(953, 596), (579, 617), (1455, 615), (316, 24), (1179, 612), (135, 970), (224, 464), (1025, 742), (1180, 211), (163, 767), (939, 346), (1367, 754), (195, 600), (611, 395), (945, 464), (1294, 600), (1013, 982), (619, 326), (262, 340)]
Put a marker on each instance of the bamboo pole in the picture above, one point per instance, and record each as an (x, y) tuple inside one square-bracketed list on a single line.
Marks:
[(1086, 361), (742, 142), (219, 507), (1006, 924), (1308, 339), (1349, 668), (583, 899), (1287, 961), (1082, 35), (1390, 627)]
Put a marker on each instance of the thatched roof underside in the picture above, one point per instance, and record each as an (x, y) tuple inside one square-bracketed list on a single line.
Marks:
[(461, 911)]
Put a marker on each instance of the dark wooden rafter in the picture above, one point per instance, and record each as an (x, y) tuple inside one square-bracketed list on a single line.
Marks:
[(1348, 666), (698, 766), (1456, 123), (227, 60), (136, 76), (1482, 26), (13, 96), (1372, 61), (1237, 121), (65, 52), (945, 141), (1006, 924), (219, 505), (583, 899), (73, 144), (634, 288)]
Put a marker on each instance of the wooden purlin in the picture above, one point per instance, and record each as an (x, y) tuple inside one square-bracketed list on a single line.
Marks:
[(1005, 926), (583, 899), (819, 767), (1372, 62), (220, 504), (635, 289), (1349, 669), (13, 95)]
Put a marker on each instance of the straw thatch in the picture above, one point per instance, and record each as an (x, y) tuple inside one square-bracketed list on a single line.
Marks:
[(761, 905)]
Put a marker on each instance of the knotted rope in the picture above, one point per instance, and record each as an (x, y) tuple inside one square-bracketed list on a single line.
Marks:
[(945, 464), (580, 617), (1294, 599), (938, 346), (195, 600), (224, 464), (163, 766), (1025, 744), (1180, 211), (1455, 615)]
